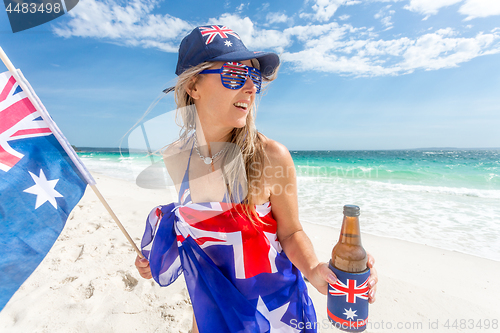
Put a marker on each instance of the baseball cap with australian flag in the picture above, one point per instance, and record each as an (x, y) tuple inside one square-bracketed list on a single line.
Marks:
[(219, 43)]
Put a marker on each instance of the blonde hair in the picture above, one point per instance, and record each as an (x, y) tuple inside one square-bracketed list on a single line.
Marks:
[(246, 141)]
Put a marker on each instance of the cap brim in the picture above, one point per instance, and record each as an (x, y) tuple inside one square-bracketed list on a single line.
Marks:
[(168, 90), (268, 61)]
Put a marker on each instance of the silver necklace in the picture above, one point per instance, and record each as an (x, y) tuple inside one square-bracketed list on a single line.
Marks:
[(207, 159)]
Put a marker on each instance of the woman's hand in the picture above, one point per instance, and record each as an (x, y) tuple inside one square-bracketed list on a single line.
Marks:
[(321, 275), (142, 266), (372, 280)]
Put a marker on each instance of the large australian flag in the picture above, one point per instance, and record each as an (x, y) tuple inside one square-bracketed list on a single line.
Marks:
[(40, 182)]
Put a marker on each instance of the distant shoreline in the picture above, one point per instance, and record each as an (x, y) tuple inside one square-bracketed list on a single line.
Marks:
[(101, 149), (126, 150)]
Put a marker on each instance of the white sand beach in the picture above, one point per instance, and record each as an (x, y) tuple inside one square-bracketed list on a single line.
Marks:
[(88, 281)]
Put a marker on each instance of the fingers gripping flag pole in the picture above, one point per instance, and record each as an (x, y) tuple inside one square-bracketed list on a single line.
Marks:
[(37, 165)]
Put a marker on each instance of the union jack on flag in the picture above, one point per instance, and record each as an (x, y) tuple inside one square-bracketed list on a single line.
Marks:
[(347, 303), (351, 290), (217, 30), (40, 183), (20, 120)]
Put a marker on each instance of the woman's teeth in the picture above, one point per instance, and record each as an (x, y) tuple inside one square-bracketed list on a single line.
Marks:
[(241, 105)]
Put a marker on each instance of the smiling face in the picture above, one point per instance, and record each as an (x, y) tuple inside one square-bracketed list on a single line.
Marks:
[(220, 109)]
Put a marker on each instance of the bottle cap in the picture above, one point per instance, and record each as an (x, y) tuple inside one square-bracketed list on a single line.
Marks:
[(351, 210)]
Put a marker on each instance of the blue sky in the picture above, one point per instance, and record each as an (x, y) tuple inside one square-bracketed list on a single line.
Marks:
[(374, 74)]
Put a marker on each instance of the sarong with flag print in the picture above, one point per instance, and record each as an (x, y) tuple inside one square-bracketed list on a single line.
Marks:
[(237, 275)]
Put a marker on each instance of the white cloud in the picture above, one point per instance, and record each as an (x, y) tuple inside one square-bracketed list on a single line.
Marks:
[(440, 50), (342, 50), (276, 18), (311, 35), (386, 21), (240, 8), (429, 7), (131, 25), (324, 9), (385, 16), (480, 8), (472, 8), (344, 17), (339, 51), (253, 38), (332, 47), (321, 62), (269, 39)]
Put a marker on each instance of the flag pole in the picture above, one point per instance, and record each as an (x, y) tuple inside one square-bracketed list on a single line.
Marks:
[(64, 143)]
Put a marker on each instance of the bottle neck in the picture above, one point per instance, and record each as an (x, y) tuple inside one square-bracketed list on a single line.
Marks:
[(350, 232)]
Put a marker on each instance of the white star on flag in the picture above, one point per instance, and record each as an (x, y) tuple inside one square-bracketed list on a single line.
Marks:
[(350, 314), (228, 43), (274, 317), (44, 190)]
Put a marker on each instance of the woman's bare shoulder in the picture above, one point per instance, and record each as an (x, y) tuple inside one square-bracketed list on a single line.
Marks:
[(277, 153)]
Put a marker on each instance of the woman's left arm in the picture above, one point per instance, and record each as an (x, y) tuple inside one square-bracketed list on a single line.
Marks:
[(282, 182)]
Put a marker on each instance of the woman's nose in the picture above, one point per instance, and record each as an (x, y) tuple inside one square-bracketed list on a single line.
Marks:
[(249, 85)]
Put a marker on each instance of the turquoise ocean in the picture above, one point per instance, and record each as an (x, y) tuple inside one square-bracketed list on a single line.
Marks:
[(446, 198)]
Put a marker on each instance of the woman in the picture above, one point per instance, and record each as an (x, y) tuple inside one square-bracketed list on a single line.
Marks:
[(236, 254)]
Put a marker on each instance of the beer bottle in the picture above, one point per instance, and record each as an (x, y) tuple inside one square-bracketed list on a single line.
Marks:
[(348, 297)]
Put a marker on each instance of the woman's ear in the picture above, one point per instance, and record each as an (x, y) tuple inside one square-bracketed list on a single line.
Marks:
[(192, 89)]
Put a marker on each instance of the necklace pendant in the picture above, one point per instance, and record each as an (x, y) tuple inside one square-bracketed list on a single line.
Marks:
[(207, 160)]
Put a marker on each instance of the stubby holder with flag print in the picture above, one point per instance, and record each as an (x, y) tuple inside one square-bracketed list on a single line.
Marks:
[(347, 304)]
